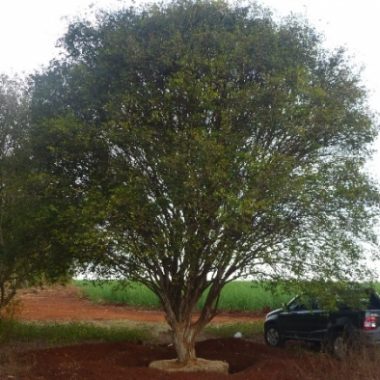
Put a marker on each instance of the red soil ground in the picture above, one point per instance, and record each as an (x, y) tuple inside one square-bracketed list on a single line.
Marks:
[(248, 360), (126, 361)]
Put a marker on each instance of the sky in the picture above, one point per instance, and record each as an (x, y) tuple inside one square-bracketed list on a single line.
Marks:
[(29, 30)]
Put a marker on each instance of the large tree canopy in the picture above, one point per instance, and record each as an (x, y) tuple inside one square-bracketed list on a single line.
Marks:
[(199, 143), (26, 256)]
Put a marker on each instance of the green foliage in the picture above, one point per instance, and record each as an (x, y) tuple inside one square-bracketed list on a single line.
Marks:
[(332, 294), (191, 147), (27, 228), (235, 296), (64, 333), (192, 143)]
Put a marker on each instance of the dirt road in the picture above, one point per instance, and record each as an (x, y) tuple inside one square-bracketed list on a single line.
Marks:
[(67, 304)]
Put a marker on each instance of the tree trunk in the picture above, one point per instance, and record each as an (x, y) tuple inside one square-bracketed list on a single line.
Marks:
[(184, 342)]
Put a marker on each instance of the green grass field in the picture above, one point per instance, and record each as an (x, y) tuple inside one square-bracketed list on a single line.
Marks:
[(12, 331), (236, 296), (67, 333)]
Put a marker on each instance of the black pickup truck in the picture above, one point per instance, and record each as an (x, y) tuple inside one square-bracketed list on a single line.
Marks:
[(338, 330)]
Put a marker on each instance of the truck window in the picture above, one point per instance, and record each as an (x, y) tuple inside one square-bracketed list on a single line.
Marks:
[(303, 303)]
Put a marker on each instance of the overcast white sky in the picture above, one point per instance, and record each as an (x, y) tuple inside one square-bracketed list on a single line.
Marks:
[(29, 30)]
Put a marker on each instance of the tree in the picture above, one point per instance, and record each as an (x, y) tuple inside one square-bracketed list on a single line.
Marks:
[(205, 143), (25, 254)]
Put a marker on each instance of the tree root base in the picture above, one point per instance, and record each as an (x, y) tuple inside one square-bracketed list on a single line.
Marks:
[(198, 365)]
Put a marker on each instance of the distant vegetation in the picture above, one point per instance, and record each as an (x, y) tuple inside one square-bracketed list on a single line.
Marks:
[(236, 296)]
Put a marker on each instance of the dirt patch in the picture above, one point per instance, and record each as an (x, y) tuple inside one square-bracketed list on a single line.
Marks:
[(67, 304), (247, 360)]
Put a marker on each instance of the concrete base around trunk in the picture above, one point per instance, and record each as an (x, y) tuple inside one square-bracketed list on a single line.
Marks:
[(199, 365)]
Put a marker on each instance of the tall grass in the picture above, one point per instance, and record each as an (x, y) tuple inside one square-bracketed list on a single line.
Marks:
[(65, 333), (362, 365), (236, 296), (115, 292), (250, 296)]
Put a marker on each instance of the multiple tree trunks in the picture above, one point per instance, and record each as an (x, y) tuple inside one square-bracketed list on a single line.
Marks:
[(184, 342)]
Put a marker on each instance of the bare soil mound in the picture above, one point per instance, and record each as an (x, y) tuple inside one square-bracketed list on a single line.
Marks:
[(247, 360)]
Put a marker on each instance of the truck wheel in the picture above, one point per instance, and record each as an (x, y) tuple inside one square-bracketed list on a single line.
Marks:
[(342, 343), (339, 346), (273, 337)]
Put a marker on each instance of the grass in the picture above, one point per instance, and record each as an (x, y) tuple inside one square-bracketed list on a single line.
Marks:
[(67, 333), (236, 296), (358, 366), (227, 330)]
